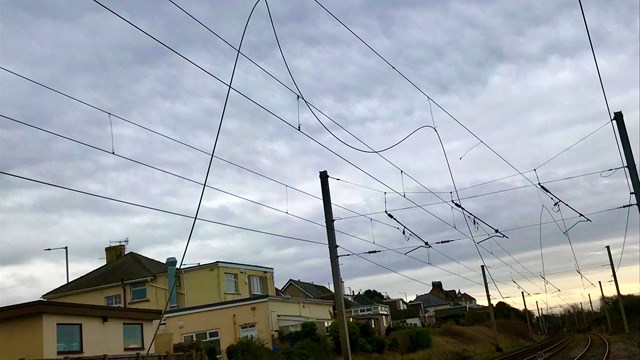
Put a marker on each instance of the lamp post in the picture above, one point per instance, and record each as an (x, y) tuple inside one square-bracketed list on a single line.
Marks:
[(66, 257)]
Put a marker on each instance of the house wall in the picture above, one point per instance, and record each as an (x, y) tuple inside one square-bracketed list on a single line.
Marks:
[(206, 285), (227, 320), (21, 337), (98, 336), (266, 314)]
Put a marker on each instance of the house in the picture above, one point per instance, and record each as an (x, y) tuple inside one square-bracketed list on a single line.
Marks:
[(50, 329), (441, 305), (404, 314), (301, 289), (132, 280), (364, 310), (358, 307), (223, 323)]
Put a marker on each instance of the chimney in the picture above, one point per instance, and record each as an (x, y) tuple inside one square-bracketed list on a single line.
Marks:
[(114, 252), (437, 286), (171, 282)]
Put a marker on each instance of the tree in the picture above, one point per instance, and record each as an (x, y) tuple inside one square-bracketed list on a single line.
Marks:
[(374, 295)]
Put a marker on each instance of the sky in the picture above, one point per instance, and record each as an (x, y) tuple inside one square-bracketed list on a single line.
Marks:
[(106, 135)]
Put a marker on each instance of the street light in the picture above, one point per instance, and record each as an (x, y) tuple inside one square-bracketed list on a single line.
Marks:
[(66, 256)]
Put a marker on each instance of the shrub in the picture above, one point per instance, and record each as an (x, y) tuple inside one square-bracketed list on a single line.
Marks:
[(362, 338), (248, 349), (410, 340)]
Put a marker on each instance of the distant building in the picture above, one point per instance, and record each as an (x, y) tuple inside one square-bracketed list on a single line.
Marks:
[(441, 305), (51, 329), (223, 323)]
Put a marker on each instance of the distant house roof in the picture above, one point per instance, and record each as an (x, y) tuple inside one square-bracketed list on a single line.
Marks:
[(56, 307), (466, 297), (449, 313), (362, 300), (312, 290), (131, 266), (409, 313), (429, 300)]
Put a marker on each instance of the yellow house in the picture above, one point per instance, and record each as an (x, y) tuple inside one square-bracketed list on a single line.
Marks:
[(132, 280), (223, 323), (50, 329)]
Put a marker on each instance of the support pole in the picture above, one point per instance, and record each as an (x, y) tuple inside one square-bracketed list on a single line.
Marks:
[(615, 280), (539, 319), (493, 319), (575, 316), (66, 258), (335, 267), (584, 316), (526, 312), (591, 305), (604, 304), (628, 155)]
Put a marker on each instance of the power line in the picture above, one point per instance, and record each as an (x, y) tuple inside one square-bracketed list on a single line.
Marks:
[(604, 93), (180, 142), (164, 211)]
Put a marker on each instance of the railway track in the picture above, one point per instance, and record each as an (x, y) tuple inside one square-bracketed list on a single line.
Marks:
[(543, 350), (597, 348)]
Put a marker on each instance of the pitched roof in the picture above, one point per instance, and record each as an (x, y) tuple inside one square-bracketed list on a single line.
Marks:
[(429, 300), (314, 291), (131, 266), (360, 299)]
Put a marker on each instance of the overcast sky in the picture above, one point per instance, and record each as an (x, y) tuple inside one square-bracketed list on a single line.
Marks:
[(513, 83)]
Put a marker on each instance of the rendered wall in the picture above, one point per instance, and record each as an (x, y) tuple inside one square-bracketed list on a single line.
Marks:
[(21, 337)]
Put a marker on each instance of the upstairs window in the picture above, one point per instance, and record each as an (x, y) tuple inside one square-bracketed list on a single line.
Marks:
[(113, 300), (69, 338), (138, 291), (132, 336), (231, 283), (258, 285)]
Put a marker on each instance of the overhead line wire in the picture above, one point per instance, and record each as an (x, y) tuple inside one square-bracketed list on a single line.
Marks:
[(604, 93), (173, 139), (167, 172)]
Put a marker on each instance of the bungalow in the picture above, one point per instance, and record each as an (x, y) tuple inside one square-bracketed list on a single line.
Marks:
[(222, 324), (51, 329)]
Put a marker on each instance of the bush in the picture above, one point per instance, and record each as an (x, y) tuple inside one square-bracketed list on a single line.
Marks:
[(248, 349), (362, 338), (410, 340)]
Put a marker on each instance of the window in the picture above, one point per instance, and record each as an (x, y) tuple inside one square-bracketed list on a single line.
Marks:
[(248, 331), (132, 336), (69, 338), (258, 285), (138, 291), (231, 283), (113, 300), (210, 337)]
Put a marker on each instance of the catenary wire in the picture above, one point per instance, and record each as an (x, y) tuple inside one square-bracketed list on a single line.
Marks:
[(180, 142)]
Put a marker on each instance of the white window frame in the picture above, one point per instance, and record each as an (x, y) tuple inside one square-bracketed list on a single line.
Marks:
[(259, 283), (209, 335), (248, 331), (114, 302), (231, 277)]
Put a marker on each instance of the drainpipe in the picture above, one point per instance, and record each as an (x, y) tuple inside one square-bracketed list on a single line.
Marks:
[(124, 293), (171, 282)]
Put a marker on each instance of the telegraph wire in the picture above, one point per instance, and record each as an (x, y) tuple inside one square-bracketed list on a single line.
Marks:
[(167, 172), (626, 227), (173, 139), (214, 188), (206, 177), (613, 170), (604, 93), (156, 209), (422, 91), (267, 110)]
